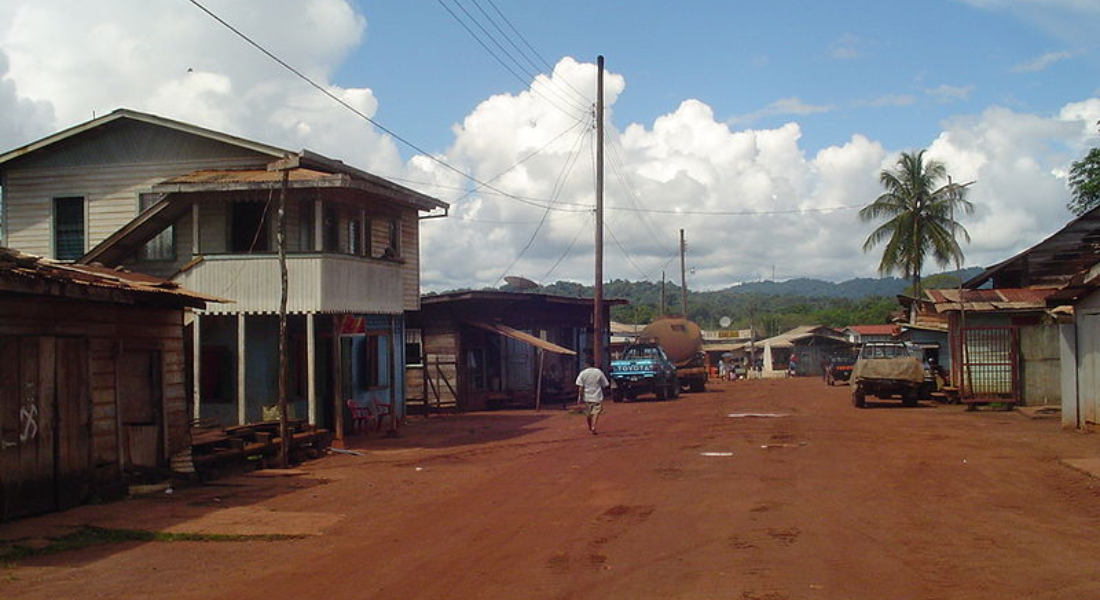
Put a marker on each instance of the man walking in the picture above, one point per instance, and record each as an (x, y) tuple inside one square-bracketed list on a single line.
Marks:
[(590, 385)]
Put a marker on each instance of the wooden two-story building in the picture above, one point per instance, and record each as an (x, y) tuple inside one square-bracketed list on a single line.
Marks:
[(199, 207)]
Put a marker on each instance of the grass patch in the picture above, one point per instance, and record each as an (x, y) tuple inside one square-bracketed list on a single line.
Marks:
[(86, 537)]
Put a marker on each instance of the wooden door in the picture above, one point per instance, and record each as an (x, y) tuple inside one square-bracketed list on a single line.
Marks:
[(27, 452), (73, 422), (139, 373)]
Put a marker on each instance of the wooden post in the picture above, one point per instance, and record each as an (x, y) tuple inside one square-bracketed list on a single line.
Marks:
[(241, 366), (538, 386), (196, 365), (311, 368), (683, 277), (337, 381), (284, 425), (392, 366), (196, 230)]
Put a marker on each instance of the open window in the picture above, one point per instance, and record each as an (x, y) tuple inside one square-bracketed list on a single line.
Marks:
[(248, 227)]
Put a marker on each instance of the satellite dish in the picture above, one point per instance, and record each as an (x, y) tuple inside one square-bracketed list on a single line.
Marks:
[(724, 322), (521, 283)]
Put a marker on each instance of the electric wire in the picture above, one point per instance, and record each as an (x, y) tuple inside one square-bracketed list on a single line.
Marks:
[(559, 184), (546, 63), (576, 96), (629, 257), (568, 249), (478, 39), (520, 162), (359, 113)]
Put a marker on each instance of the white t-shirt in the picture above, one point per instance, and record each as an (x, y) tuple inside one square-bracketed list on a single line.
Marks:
[(593, 381)]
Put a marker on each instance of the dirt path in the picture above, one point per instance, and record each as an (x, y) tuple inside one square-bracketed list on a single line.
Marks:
[(671, 500)]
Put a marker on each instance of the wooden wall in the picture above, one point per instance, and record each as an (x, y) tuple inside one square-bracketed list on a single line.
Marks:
[(103, 332), (435, 385)]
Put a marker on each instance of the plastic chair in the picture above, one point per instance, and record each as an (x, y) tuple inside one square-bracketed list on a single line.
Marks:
[(361, 417), (381, 409)]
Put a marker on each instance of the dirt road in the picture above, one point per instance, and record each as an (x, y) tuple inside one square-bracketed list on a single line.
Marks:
[(671, 500)]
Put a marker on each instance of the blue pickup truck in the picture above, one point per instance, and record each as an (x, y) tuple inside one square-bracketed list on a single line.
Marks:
[(643, 368)]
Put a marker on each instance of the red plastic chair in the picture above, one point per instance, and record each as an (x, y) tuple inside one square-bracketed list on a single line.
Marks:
[(361, 417), (381, 409)]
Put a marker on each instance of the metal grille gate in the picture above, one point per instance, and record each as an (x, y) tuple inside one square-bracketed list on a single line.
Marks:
[(990, 369)]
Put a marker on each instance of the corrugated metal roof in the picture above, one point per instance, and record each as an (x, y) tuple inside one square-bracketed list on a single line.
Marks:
[(1054, 261), (872, 329), (246, 176), (989, 300), (18, 267)]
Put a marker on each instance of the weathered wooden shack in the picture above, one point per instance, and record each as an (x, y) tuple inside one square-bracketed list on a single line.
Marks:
[(198, 207), (481, 350), (92, 381)]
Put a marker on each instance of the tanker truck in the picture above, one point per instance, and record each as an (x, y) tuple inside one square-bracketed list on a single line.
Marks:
[(679, 361)]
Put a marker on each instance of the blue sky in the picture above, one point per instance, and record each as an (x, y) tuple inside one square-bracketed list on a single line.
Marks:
[(889, 70), (758, 127)]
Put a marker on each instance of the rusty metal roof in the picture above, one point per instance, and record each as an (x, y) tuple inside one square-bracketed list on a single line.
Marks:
[(1052, 262), (244, 176), (872, 329), (989, 300), (26, 273)]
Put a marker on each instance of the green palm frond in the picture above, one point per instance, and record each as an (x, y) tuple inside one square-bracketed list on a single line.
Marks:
[(919, 215)]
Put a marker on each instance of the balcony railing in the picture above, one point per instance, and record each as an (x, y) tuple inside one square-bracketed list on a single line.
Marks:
[(329, 283)]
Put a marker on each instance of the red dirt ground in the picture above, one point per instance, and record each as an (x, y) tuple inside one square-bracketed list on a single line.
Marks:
[(828, 502)]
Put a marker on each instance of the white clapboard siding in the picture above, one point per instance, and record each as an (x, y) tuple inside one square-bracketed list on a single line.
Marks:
[(326, 283), (110, 191)]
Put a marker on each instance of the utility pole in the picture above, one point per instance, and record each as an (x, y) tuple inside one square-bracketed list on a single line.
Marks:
[(662, 294), (683, 276), (598, 325), (284, 426)]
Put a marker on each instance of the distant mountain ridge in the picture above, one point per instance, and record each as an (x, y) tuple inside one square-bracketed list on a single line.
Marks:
[(852, 289)]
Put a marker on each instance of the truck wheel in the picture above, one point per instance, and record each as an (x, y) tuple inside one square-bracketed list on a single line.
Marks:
[(909, 397), (661, 391), (617, 394), (674, 391), (697, 385), (859, 398)]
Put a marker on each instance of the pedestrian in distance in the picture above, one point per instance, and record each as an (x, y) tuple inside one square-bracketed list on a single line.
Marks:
[(590, 385)]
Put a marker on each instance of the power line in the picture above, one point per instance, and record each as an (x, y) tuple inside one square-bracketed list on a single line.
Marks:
[(645, 276), (582, 98), (520, 162), (356, 111), (558, 185), (534, 80), (582, 229), (545, 62)]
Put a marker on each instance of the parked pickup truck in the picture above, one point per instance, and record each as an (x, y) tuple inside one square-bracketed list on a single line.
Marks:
[(885, 370), (839, 368), (644, 368)]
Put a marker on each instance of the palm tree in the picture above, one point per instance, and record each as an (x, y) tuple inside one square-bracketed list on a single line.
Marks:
[(920, 217)]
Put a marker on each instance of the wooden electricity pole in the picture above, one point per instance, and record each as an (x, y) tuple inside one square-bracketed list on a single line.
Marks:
[(683, 277), (598, 325), (663, 310), (284, 426)]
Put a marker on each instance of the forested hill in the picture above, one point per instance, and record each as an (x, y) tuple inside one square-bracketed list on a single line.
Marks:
[(771, 306), (851, 289)]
